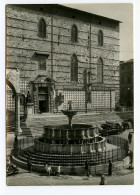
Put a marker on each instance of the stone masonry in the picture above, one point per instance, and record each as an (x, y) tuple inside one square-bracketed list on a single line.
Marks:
[(23, 43)]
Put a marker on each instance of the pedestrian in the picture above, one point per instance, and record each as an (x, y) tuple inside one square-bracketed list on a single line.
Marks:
[(110, 168), (129, 137), (46, 167), (49, 170), (102, 182), (130, 153), (87, 167), (58, 170), (29, 164), (16, 146)]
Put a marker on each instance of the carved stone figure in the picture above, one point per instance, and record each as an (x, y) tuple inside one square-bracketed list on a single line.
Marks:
[(29, 98)]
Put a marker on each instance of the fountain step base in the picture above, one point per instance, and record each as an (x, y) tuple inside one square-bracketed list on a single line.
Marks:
[(39, 158), (74, 170)]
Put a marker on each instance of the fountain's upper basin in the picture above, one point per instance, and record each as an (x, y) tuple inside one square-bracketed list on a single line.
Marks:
[(78, 131), (69, 113)]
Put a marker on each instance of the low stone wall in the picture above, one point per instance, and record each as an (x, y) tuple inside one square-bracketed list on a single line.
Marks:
[(77, 170)]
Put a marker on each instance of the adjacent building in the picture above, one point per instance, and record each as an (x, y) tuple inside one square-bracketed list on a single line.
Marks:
[(126, 83), (62, 54)]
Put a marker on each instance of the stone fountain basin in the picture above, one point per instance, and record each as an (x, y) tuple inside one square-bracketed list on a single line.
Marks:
[(66, 127), (72, 148), (69, 112), (78, 131)]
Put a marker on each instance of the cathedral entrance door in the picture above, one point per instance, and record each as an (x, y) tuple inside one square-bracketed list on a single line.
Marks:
[(42, 106), (43, 99)]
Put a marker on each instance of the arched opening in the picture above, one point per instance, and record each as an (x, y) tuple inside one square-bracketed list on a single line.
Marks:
[(100, 71), (42, 28), (74, 34), (11, 86), (74, 68), (10, 106), (100, 38)]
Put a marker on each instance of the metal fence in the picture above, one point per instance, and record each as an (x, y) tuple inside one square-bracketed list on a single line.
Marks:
[(96, 158), (25, 142), (118, 141)]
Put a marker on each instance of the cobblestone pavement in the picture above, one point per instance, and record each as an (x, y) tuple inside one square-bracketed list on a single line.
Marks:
[(33, 179)]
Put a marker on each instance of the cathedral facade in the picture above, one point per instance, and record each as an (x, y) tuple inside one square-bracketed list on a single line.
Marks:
[(63, 55)]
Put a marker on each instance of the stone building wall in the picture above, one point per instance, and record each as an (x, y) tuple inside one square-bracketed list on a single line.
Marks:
[(23, 41), (126, 83)]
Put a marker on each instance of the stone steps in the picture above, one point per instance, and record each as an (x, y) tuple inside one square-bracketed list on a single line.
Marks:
[(10, 128), (38, 164), (26, 131), (68, 160)]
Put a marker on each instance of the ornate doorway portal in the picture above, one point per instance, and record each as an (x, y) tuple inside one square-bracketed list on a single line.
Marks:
[(43, 94)]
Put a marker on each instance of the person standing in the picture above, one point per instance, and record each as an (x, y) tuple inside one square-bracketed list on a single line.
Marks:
[(59, 169), (29, 164), (129, 137), (130, 154), (87, 167), (49, 170), (46, 167), (16, 145), (110, 168), (102, 182)]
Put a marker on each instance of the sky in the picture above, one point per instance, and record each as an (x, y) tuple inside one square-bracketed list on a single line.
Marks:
[(120, 11)]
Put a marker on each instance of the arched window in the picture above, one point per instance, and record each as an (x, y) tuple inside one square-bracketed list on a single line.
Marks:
[(74, 34), (100, 38), (42, 28), (100, 71), (74, 68)]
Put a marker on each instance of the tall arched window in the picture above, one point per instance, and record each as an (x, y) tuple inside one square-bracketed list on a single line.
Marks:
[(42, 28), (100, 71), (74, 68), (100, 38), (74, 34)]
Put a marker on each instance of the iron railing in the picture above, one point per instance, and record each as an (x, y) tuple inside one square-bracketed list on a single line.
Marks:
[(97, 158)]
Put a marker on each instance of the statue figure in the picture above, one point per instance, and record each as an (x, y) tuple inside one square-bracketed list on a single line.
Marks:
[(29, 98)]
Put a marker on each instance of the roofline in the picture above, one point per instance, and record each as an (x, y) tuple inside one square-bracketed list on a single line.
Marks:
[(69, 8), (128, 61), (89, 13)]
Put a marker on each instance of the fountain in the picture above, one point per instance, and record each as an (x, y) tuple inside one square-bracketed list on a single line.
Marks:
[(68, 145), (69, 139)]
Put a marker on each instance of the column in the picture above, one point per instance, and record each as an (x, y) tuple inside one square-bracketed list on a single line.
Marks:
[(112, 99), (17, 114)]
